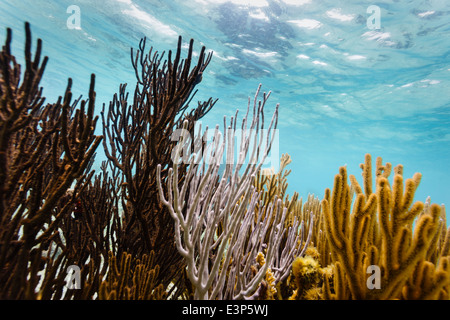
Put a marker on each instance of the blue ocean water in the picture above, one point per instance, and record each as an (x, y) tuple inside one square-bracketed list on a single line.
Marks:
[(351, 77)]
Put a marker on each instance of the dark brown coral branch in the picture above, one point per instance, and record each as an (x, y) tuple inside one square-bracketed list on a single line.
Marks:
[(140, 136), (44, 151)]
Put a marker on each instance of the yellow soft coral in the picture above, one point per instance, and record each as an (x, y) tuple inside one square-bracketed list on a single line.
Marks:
[(306, 272), (269, 279), (378, 232)]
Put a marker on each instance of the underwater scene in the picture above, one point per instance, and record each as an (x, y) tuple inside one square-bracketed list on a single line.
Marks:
[(222, 150)]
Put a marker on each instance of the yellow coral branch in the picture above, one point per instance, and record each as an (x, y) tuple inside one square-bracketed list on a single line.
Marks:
[(388, 244)]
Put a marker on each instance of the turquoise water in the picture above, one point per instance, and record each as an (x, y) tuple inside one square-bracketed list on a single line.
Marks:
[(347, 82)]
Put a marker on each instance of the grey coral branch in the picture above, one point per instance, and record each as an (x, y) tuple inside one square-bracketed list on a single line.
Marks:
[(213, 213)]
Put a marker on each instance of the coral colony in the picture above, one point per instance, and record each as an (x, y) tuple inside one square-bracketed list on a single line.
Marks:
[(191, 215)]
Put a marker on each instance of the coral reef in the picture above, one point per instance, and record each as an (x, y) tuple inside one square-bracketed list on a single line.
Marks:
[(175, 215)]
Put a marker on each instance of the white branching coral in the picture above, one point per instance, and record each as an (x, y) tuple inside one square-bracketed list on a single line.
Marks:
[(214, 213)]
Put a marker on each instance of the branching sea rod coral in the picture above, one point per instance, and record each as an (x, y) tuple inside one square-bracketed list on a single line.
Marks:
[(52, 216), (44, 151), (132, 280), (139, 135), (229, 236), (299, 218), (211, 215), (379, 232)]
